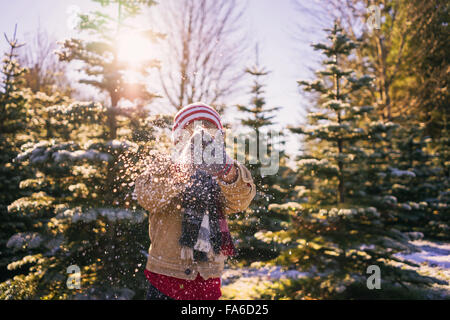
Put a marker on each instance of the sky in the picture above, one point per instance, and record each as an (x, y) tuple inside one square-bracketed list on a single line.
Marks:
[(274, 24)]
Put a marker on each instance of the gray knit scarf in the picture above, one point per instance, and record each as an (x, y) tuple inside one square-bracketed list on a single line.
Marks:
[(204, 228)]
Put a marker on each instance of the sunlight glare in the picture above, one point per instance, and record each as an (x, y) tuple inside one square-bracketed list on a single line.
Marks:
[(133, 49)]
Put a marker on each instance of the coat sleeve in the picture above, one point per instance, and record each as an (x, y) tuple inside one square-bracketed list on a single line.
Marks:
[(155, 189), (239, 194)]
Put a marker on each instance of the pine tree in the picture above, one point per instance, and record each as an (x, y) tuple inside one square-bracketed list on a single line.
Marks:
[(419, 184), (402, 175), (80, 198), (102, 67), (338, 233), (14, 119), (440, 147), (270, 188)]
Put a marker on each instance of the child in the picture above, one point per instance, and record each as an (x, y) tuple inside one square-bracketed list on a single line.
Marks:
[(187, 204)]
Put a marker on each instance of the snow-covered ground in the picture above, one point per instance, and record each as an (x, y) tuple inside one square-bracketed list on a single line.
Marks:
[(266, 273), (435, 254), (433, 260)]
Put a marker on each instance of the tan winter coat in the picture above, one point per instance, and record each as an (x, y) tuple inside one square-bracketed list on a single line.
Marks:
[(160, 196)]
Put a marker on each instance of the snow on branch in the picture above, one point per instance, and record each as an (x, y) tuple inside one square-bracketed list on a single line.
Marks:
[(78, 214)]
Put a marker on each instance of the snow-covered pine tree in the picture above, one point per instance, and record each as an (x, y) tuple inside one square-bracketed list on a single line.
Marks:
[(80, 197), (403, 177), (441, 148), (418, 183), (13, 123), (336, 236), (270, 188), (102, 66)]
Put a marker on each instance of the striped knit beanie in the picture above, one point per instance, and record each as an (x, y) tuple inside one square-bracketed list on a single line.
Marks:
[(192, 112)]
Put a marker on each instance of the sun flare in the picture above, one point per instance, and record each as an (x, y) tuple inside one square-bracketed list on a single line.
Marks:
[(133, 49)]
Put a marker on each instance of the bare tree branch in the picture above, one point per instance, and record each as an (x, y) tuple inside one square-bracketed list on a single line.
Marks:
[(204, 50)]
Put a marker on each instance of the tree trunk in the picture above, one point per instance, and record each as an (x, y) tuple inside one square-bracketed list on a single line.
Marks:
[(340, 146)]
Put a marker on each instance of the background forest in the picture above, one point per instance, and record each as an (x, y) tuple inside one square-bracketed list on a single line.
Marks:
[(362, 181)]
